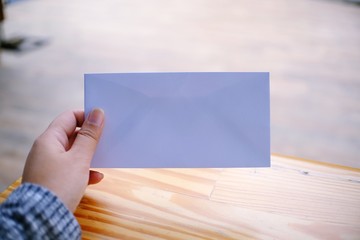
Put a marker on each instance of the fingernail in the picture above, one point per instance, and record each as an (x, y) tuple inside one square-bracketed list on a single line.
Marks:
[(101, 175), (96, 117)]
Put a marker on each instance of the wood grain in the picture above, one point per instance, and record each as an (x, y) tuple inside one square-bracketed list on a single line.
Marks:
[(294, 199), (310, 47), (302, 189)]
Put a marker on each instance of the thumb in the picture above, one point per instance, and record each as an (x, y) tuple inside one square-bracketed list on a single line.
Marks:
[(89, 135)]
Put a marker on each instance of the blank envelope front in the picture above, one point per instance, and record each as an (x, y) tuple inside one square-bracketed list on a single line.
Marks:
[(181, 120)]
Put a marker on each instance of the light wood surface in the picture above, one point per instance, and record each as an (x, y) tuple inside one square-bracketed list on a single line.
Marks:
[(294, 199), (310, 47)]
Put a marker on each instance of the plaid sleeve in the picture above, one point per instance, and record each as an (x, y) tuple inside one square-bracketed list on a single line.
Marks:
[(33, 212)]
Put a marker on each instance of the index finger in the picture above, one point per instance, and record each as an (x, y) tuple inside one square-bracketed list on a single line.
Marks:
[(63, 126)]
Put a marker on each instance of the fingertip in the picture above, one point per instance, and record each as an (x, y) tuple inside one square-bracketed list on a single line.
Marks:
[(96, 117), (95, 177)]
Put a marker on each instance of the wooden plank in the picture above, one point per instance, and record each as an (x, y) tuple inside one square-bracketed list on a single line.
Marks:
[(298, 188), (9, 190), (191, 181), (138, 212), (294, 199)]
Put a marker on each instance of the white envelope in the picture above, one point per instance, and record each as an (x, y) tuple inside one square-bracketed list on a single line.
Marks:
[(181, 120)]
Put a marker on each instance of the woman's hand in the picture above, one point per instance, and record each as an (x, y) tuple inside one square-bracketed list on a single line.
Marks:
[(60, 158)]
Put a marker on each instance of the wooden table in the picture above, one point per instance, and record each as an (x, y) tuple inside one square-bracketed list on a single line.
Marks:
[(294, 199)]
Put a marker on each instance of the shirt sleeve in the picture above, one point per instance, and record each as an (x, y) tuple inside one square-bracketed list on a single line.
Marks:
[(33, 212)]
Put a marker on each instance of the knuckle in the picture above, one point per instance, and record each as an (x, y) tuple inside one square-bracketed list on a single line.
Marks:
[(88, 133), (39, 141)]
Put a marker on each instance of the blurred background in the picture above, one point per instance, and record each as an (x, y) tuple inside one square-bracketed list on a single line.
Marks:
[(310, 47)]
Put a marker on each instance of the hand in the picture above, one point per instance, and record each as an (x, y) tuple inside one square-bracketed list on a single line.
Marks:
[(60, 158)]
